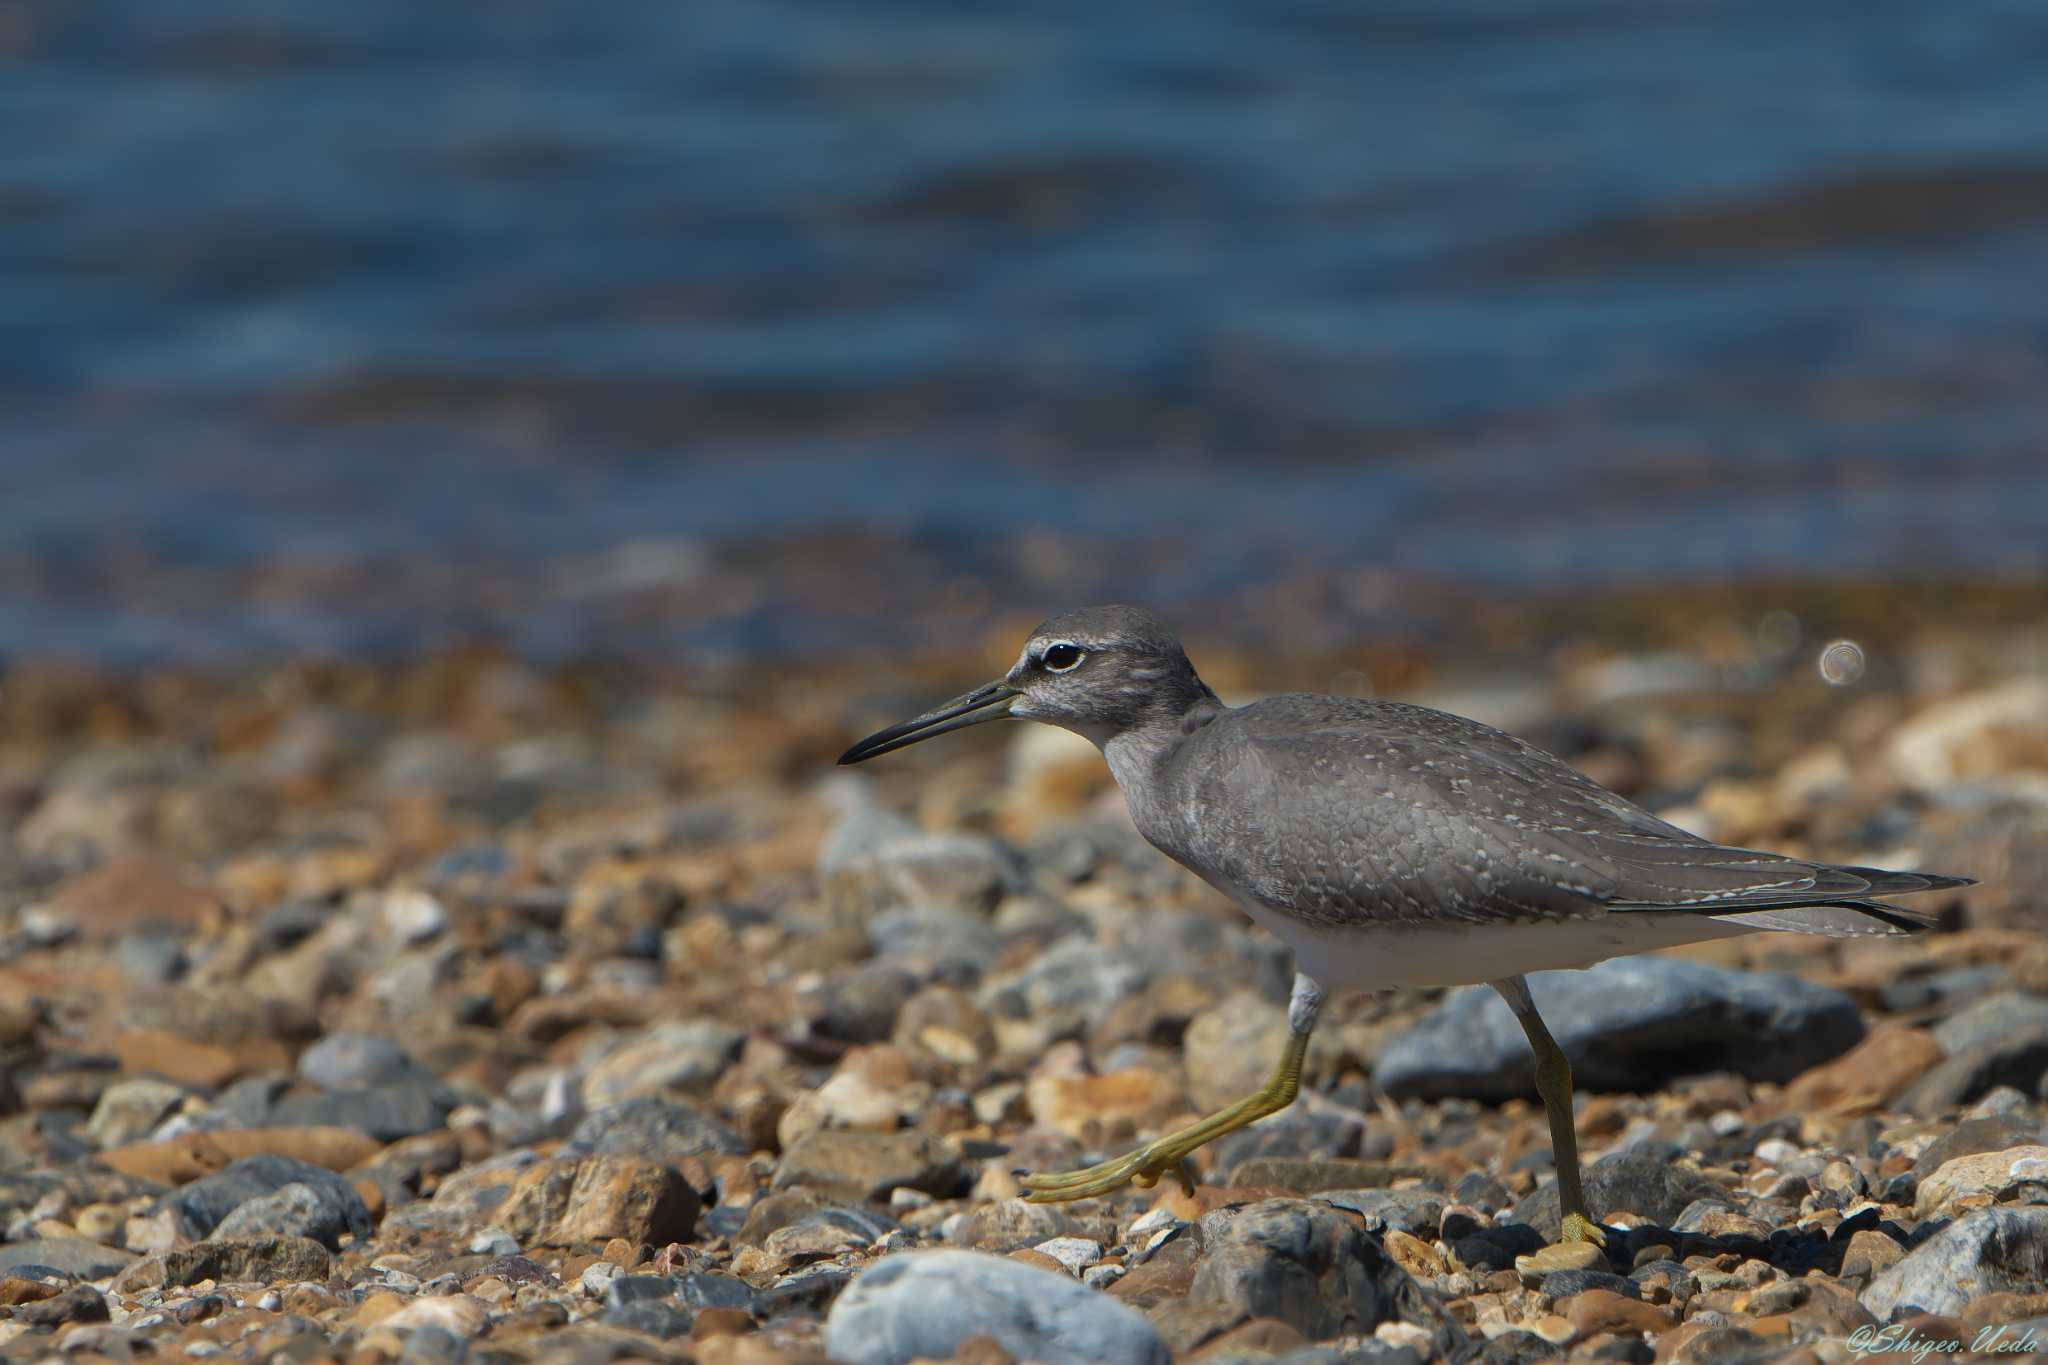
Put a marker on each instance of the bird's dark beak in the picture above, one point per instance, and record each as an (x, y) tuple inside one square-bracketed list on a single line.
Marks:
[(982, 704)]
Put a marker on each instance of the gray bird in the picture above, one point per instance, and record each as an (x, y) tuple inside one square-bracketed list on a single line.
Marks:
[(1391, 845)]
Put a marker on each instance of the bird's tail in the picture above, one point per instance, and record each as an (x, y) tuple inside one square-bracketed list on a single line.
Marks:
[(1861, 917)]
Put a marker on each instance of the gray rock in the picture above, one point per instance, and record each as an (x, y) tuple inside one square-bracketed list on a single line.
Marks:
[(1972, 1136), (296, 1210), (661, 1129), (358, 1061), (153, 955), (246, 1103), (433, 1346), (1628, 1024), (1565, 1283), (934, 943), (859, 1165), (1673, 1274), (1987, 1251), (650, 1317), (129, 1109), (1364, 1351), (709, 1289), (1990, 1019), (1039, 920), (266, 1260), (73, 1256), (1481, 1191), (1313, 1126), (400, 1109), (2000, 1102), (638, 1289), (860, 1006), (80, 1303), (290, 924), (1414, 1210), (1076, 977), (811, 1289), (958, 871), (536, 1106), (1639, 1180), (1914, 993), (924, 1304), (1311, 1267), (21, 1191), (2003, 1041), (205, 1203), (681, 1054), (863, 827)]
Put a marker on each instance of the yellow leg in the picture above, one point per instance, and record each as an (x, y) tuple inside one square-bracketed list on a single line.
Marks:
[(1145, 1166), (1554, 1084)]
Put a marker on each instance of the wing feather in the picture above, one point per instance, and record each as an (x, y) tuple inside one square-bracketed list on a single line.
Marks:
[(1350, 812)]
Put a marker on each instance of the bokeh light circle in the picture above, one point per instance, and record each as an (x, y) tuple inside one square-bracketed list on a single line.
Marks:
[(1841, 663)]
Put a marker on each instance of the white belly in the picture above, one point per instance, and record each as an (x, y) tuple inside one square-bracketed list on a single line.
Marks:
[(1374, 959)]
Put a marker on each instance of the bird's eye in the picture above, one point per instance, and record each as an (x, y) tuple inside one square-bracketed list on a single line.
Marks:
[(1062, 657)]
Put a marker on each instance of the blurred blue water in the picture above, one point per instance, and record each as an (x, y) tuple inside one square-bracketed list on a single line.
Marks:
[(1532, 293)]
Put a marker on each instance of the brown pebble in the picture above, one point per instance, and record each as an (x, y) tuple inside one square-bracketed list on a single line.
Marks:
[(16, 1290), (1868, 1252), (982, 1350), (1865, 1077), (2005, 1306), (1413, 1254), (1159, 1280), (1079, 1105), (1591, 1311), (719, 1322), (623, 1253), (1259, 1337), (1029, 1256), (1700, 1343), (1209, 1198)]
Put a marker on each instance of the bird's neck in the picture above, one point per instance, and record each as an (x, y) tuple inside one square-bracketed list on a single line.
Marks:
[(1137, 752)]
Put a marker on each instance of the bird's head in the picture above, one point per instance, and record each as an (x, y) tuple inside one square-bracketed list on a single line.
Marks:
[(1099, 672)]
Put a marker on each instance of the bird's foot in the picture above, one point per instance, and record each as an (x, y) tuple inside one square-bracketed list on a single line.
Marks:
[(1144, 1168), (1579, 1228)]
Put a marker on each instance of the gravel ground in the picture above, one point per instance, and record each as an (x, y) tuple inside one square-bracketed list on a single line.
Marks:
[(463, 1010)]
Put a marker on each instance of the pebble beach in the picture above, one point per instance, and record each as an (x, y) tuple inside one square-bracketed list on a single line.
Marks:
[(464, 1009)]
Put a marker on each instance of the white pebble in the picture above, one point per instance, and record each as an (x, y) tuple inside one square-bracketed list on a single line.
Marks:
[(1777, 1151), (1399, 1334), (1071, 1252), (414, 916), (1160, 1239), (598, 1278), (45, 926), (1150, 1221), (494, 1242)]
